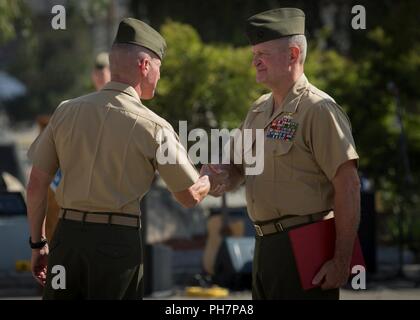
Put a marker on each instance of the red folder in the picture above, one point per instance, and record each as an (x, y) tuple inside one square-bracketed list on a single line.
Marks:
[(313, 245)]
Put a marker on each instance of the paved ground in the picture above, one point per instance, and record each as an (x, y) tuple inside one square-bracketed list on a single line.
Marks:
[(382, 286), (380, 294), (394, 290)]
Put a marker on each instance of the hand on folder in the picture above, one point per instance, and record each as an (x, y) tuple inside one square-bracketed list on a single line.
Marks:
[(313, 247), (333, 274)]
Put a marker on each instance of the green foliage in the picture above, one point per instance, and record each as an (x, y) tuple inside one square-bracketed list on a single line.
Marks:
[(360, 85), (93, 10), (13, 14), (350, 84), (206, 85), (53, 65)]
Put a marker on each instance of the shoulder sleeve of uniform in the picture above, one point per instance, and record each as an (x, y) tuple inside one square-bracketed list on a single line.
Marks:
[(172, 160), (260, 100), (149, 124), (331, 139), (42, 151)]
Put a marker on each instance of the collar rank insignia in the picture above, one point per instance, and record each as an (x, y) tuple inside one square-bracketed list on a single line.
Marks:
[(282, 129)]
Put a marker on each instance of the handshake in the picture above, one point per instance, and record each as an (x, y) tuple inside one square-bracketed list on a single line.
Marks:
[(215, 179), (219, 176)]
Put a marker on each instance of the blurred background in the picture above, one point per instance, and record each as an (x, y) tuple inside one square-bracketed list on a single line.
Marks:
[(207, 79)]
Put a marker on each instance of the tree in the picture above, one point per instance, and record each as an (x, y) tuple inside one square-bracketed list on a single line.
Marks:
[(13, 16), (207, 85), (54, 65)]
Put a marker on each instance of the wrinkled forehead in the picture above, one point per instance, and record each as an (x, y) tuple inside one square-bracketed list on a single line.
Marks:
[(270, 46)]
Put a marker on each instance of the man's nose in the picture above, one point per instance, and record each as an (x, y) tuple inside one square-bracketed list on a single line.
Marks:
[(256, 61)]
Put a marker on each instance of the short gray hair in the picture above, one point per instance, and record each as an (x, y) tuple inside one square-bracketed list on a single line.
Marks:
[(124, 56), (299, 40)]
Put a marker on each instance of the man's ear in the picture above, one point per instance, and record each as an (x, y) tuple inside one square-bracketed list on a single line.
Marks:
[(144, 65), (294, 54)]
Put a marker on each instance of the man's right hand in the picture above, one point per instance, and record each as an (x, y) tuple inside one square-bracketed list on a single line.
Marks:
[(195, 194), (39, 264)]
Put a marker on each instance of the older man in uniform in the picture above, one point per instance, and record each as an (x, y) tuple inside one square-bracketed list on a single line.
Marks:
[(107, 145), (310, 163)]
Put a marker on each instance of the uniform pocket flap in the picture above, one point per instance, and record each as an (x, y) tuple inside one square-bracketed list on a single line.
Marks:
[(283, 147)]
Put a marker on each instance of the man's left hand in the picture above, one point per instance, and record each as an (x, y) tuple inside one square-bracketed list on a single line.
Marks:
[(333, 274)]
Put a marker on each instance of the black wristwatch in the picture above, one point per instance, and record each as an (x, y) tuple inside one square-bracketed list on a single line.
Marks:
[(37, 245)]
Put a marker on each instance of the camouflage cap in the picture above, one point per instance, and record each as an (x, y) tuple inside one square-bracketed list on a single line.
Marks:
[(137, 32), (101, 60), (274, 24)]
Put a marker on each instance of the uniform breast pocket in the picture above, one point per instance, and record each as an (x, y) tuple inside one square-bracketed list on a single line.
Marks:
[(283, 160)]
